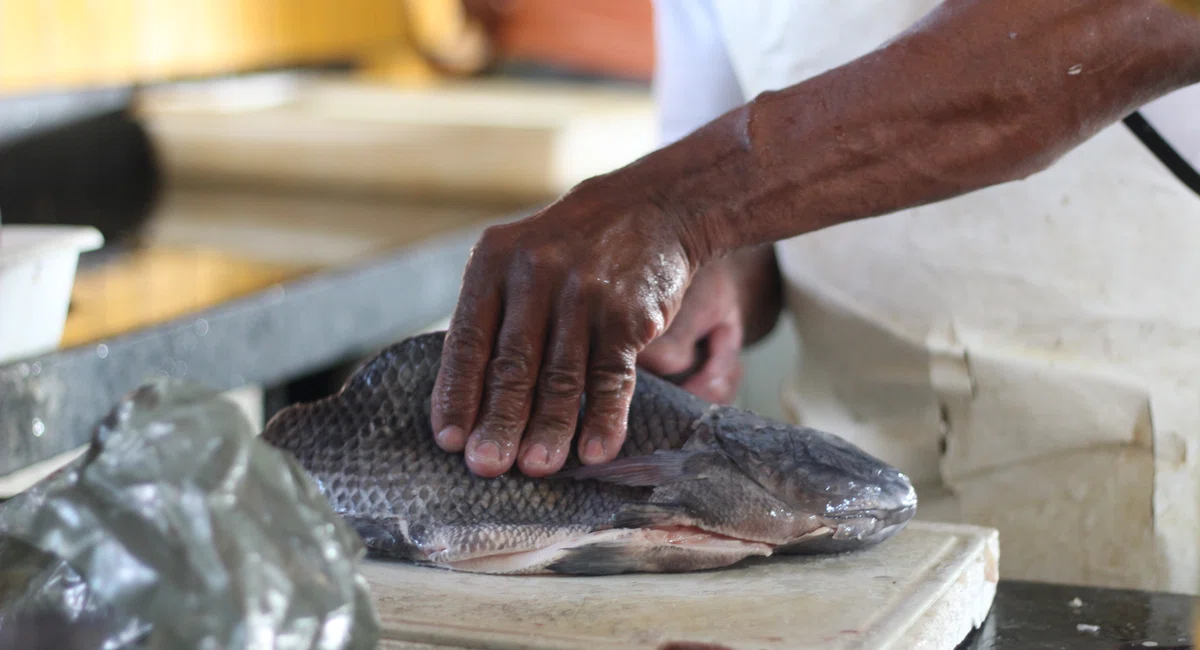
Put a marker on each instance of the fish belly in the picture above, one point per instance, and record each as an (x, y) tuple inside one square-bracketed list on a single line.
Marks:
[(615, 551)]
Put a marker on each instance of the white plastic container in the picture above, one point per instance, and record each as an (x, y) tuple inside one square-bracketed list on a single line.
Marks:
[(37, 273)]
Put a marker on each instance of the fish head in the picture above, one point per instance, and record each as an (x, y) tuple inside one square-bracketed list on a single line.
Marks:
[(838, 496), (744, 477)]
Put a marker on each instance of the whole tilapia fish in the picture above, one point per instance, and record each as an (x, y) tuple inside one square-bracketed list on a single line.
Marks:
[(696, 486)]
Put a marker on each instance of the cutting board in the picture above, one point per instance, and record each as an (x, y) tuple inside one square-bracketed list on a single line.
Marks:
[(926, 588)]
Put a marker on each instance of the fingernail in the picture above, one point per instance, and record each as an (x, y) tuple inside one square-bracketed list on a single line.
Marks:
[(537, 455), (593, 452), (486, 452), (451, 436)]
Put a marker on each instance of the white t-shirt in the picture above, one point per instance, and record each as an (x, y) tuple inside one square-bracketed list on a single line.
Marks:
[(1034, 347)]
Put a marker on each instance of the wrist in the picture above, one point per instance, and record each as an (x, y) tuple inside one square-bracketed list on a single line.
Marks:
[(696, 182)]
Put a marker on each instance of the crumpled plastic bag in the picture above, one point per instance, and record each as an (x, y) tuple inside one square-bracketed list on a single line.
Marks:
[(178, 528)]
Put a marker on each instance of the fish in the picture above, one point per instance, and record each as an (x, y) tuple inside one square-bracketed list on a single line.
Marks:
[(695, 486)]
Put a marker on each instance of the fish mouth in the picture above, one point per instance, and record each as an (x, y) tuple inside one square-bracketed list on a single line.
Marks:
[(836, 528), (842, 497), (846, 532), (849, 531)]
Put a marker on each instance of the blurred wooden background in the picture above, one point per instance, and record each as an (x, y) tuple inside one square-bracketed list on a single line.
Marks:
[(54, 44)]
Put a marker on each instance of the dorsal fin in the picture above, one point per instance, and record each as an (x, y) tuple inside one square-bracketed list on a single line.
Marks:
[(401, 373)]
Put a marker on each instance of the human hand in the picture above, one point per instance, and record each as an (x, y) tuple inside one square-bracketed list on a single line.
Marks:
[(709, 320), (555, 307)]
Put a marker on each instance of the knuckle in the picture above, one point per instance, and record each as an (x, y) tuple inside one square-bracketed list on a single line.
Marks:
[(539, 263), (575, 287), (494, 244), (468, 345), (611, 381), (452, 394), (649, 325), (505, 414), (561, 383), (494, 236), (633, 321), (610, 423), (511, 370), (554, 425), (616, 314), (501, 425)]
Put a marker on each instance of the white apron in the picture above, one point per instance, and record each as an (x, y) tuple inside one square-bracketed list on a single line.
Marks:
[(1033, 347)]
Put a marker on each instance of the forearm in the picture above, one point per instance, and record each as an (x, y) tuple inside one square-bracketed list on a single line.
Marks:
[(980, 93)]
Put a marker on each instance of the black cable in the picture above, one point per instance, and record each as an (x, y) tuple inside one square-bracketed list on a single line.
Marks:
[(1163, 151)]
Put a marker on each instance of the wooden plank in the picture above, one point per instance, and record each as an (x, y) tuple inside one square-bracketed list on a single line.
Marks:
[(488, 140), (157, 284), (206, 247)]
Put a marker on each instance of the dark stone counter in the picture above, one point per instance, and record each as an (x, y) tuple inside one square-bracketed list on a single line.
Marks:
[(1041, 616)]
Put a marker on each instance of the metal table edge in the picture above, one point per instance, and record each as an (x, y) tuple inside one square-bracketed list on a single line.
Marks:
[(50, 403)]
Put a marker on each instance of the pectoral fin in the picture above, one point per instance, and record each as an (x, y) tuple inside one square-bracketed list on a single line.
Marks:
[(654, 469)]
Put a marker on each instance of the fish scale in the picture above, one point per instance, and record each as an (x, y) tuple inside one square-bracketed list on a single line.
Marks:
[(689, 490)]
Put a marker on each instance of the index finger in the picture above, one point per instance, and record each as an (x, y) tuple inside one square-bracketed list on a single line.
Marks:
[(466, 351), (611, 379)]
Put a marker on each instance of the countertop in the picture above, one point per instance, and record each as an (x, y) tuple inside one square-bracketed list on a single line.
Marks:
[(311, 292), (1043, 616)]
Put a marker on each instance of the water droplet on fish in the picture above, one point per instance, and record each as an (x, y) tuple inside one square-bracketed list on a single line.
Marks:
[(39, 427), (201, 327), (102, 351), (1075, 69), (35, 369), (181, 368), (1012, 34)]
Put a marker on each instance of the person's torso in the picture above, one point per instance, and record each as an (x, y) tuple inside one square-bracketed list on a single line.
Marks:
[(1033, 346), (1103, 240)]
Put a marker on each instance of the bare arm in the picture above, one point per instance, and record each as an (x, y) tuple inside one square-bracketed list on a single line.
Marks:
[(979, 93), (556, 308)]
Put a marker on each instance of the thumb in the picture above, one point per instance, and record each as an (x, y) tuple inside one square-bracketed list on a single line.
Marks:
[(674, 351), (718, 380)]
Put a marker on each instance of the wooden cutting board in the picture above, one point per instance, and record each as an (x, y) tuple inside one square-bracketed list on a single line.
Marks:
[(926, 588)]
